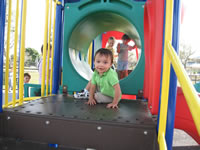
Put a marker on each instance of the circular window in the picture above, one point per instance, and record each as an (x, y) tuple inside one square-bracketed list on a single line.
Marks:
[(88, 36)]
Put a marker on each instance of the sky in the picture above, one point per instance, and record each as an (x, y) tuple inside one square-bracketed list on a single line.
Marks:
[(189, 28), (35, 23)]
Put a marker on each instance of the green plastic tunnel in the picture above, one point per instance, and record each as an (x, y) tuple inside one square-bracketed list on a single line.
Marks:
[(83, 22)]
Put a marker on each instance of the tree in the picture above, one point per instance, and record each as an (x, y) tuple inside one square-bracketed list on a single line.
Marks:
[(185, 53), (31, 57)]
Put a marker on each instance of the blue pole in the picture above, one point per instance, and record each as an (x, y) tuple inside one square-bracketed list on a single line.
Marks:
[(57, 49), (92, 66), (2, 31), (173, 78), (61, 49)]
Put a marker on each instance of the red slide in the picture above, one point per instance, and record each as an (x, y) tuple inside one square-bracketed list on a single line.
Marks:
[(183, 117)]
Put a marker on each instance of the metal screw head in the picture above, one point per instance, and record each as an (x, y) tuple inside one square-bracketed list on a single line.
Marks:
[(145, 132), (47, 122), (99, 128)]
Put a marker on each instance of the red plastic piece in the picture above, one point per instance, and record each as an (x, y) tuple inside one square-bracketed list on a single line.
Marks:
[(183, 117), (129, 97), (153, 43), (105, 36)]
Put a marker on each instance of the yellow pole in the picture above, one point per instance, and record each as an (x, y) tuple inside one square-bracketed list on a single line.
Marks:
[(7, 52), (166, 70), (190, 93), (25, 99), (22, 52), (45, 49), (52, 51), (15, 54), (162, 143), (90, 55), (49, 37)]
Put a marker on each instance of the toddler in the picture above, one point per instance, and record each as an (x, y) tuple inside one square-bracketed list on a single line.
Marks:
[(104, 86), (122, 50)]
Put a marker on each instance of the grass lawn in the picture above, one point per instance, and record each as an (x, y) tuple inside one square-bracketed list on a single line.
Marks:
[(34, 76)]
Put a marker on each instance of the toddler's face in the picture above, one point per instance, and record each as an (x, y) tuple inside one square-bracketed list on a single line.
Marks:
[(126, 41), (102, 63), (111, 43), (26, 79)]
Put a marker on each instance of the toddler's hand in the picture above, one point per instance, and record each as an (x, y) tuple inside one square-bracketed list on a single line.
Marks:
[(91, 102), (112, 105)]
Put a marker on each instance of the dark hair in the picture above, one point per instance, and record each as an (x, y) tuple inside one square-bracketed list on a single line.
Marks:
[(111, 38), (104, 52), (47, 47), (27, 74), (125, 37)]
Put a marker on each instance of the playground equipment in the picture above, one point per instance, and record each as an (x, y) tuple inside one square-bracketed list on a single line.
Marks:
[(62, 121), (100, 17)]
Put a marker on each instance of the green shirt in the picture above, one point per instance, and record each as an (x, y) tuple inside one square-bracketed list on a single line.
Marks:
[(106, 82)]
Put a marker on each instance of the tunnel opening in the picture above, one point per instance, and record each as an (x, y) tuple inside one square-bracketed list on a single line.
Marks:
[(90, 29)]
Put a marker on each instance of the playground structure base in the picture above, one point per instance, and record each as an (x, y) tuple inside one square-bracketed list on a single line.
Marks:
[(18, 144), (68, 122)]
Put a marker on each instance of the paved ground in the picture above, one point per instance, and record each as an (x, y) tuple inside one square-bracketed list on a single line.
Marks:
[(182, 139)]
